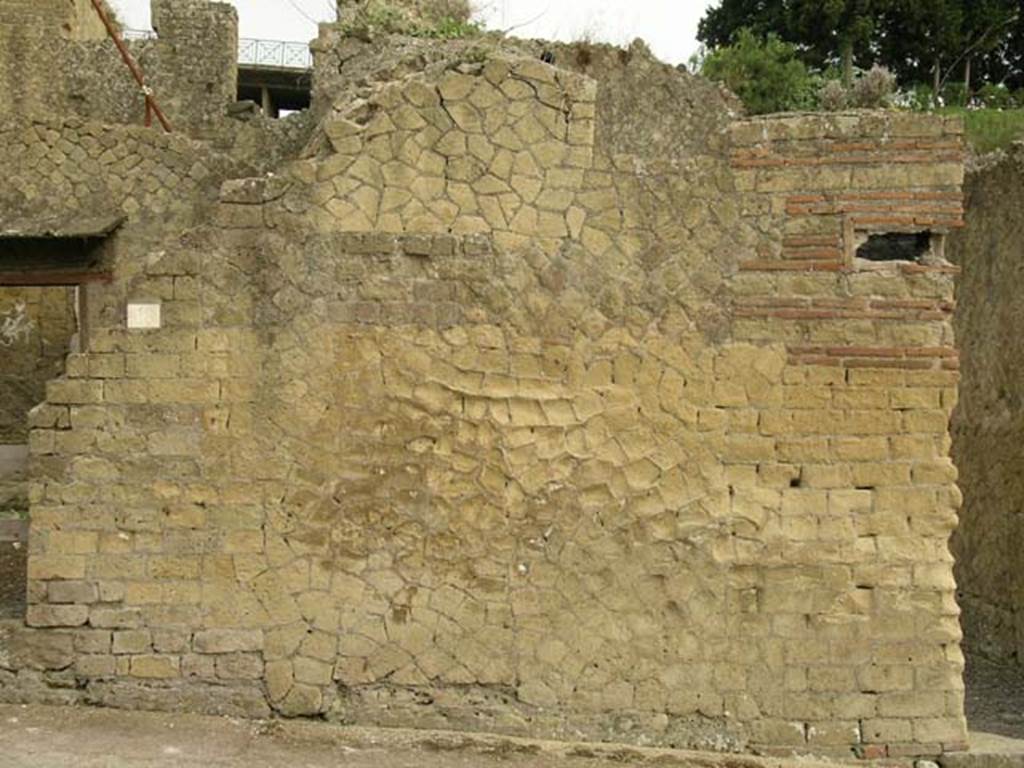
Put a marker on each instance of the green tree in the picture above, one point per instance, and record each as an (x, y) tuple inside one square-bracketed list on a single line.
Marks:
[(721, 23), (826, 32), (765, 72), (918, 40), (837, 30), (1006, 62), (963, 41), (993, 35), (935, 42)]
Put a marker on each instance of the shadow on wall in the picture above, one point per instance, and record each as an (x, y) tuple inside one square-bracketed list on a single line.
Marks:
[(989, 420)]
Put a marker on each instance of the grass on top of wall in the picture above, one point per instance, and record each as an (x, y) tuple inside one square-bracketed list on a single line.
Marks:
[(990, 129)]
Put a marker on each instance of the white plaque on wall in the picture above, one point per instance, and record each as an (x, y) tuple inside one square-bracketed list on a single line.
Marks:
[(143, 315)]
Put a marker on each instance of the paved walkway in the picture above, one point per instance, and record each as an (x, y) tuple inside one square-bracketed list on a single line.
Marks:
[(65, 737), (53, 737)]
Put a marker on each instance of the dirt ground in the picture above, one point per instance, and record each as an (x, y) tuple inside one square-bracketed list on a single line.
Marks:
[(67, 737), (53, 737), (995, 698)]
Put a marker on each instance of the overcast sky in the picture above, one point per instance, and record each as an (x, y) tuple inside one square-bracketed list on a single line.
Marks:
[(669, 26)]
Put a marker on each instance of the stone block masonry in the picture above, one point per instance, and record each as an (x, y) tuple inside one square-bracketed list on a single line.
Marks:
[(466, 418)]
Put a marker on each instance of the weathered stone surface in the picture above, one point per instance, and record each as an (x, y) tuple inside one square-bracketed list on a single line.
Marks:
[(154, 666), (57, 615), (39, 39), (988, 420), (228, 640), (502, 408), (241, 700), (27, 649)]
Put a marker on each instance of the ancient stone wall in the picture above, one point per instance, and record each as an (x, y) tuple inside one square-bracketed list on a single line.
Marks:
[(63, 171), (69, 19), (989, 420), (69, 168), (646, 108), (196, 72), (83, 23), (469, 419), (55, 59)]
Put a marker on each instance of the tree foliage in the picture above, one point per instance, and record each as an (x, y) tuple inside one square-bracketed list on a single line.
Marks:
[(765, 72), (949, 39), (997, 29), (721, 23), (826, 32), (922, 42)]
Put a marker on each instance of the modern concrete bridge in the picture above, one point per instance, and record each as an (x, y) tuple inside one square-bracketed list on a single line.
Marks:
[(275, 74)]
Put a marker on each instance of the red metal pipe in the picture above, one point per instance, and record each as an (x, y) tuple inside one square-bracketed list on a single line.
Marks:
[(151, 106)]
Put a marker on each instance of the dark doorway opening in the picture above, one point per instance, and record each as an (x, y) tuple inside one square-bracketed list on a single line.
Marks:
[(38, 328), (44, 274)]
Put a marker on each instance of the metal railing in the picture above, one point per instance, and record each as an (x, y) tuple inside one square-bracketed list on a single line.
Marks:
[(254, 53), (274, 53)]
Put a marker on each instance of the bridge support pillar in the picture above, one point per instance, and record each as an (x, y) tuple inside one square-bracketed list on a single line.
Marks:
[(267, 102)]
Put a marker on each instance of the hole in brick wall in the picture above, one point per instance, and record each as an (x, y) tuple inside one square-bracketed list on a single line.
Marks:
[(896, 246)]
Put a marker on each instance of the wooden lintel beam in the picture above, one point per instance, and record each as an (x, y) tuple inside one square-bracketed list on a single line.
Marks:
[(45, 277)]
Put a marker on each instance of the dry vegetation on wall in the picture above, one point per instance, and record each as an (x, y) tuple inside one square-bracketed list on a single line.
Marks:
[(444, 19), (456, 10)]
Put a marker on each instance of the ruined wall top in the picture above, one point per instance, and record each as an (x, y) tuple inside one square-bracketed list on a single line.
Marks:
[(56, 60), (426, 11), (646, 108), (184, 18), (70, 19)]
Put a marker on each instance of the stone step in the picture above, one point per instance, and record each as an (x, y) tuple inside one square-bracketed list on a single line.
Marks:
[(13, 459), (988, 750), (13, 530)]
